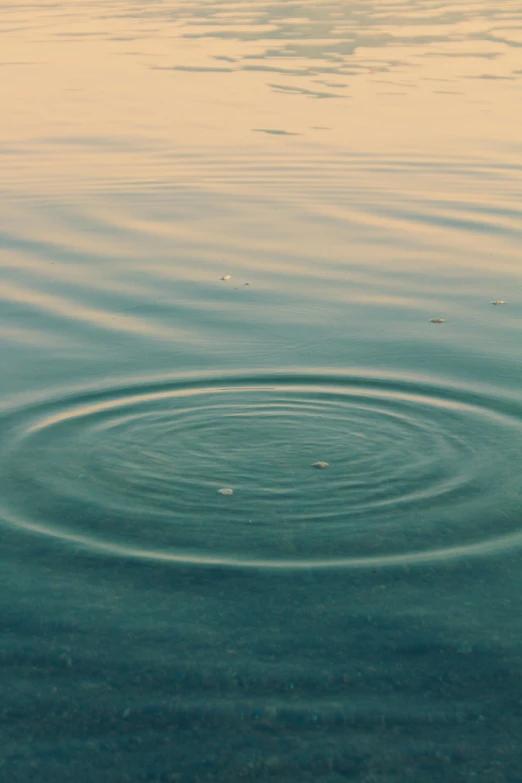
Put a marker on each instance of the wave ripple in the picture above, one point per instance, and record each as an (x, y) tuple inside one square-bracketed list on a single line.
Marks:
[(417, 472)]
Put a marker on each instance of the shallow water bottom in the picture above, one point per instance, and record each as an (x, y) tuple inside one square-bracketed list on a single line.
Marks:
[(132, 671)]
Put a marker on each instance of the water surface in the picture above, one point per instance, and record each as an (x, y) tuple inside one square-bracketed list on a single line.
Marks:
[(355, 169)]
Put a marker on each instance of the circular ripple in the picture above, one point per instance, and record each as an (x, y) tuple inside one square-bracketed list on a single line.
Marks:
[(416, 472)]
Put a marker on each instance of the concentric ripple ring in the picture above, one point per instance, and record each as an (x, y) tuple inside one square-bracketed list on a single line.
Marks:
[(418, 472)]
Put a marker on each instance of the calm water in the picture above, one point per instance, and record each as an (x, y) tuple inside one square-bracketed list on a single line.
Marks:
[(356, 169)]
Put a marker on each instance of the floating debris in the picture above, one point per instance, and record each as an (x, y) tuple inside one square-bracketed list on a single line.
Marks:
[(226, 277), (438, 321), (226, 491), (498, 301), (320, 465)]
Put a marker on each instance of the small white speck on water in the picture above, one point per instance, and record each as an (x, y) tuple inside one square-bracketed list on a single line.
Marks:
[(226, 491), (438, 321), (320, 465), (498, 301), (226, 277)]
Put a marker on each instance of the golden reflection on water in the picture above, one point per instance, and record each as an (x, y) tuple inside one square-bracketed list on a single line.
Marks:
[(184, 140), (417, 76)]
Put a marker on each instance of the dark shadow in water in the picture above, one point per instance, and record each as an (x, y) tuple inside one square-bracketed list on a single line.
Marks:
[(275, 132), (492, 77), (191, 69), (185, 674), (291, 90)]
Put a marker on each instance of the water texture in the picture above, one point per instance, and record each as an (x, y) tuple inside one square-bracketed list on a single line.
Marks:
[(236, 240)]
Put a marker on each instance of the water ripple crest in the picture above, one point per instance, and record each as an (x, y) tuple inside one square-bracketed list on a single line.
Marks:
[(417, 472)]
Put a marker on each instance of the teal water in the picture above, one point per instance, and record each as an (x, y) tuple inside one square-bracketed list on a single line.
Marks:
[(226, 231)]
